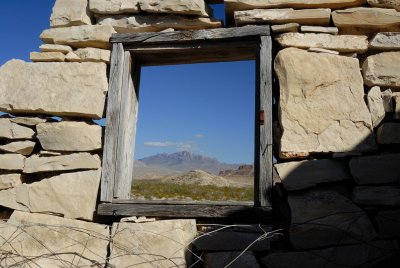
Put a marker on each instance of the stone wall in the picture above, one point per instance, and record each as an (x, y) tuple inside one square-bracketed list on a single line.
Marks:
[(337, 135)]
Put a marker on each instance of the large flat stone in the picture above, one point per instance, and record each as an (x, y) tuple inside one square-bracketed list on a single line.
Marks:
[(12, 162), (366, 20), (376, 105), (30, 121), (10, 181), (158, 244), (358, 255), (114, 6), (252, 4), (305, 174), (319, 29), (97, 36), (326, 218), (55, 48), (71, 195), (183, 7), (70, 13), (90, 54), (47, 57), (18, 147), (9, 129), (281, 16), (156, 23), (36, 240), (69, 136), (382, 69), (285, 28), (66, 89), (385, 41), (373, 195), (230, 258), (389, 133), (78, 161), (385, 4), (376, 169), (388, 223), (341, 43), (322, 107)]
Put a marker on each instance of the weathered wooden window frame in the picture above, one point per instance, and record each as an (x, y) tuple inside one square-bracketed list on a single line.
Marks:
[(129, 53)]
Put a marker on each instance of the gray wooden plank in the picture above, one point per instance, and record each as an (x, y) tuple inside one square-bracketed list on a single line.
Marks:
[(127, 131), (264, 64), (111, 132), (240, 213), (245, 32)]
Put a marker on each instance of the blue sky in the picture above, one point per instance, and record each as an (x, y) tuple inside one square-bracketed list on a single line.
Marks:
[(202, 108)]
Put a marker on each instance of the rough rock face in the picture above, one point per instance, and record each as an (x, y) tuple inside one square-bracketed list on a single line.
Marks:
[(251, 4), (10, 181), (372, 195), (69, 89), (326, 218), (159, 244), (69, 136), (385, 41), (139, 23), (90, 54), (47, 57), (29, 121), (376, 106), (388, 222), (12, 161), (184, 7), (376, 169), (114, 6), (18, 147), (36, 240), (389, 133), (341, 43), (319, 29), (10, 130), (222, 259), (280, 16), (97, 36), (305, 174), (382, 69), (363, 19), (72, 195), (78, 161), (385, 4), (285, 28), (322, 106), (70, 13), (55, 48)]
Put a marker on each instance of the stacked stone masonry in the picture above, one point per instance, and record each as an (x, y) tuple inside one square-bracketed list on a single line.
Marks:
[(337, 138)]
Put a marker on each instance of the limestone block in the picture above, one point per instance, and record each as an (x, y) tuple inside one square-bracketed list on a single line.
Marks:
[(223, 259), (341, 43), (385, 41), (335, 257), (93, 55), (47, 153), (326, 218), (47, 56), (387, 97), (114, 6), (55, 48), (11, 130), (97, 36), (72, 57), (36, 240), (376, 169), (69, 136), (285, 28), (183, 7), (19, 147), (71, 195), (29, 121), (10, 181), (373, 195), (368, 20), (388, 223), (385, 4), (252, 4), (389, 133), (382, 69), (66, 89), (78, 161), (319, 29), (376, 106), (12, 162), (154, 244), (70, 13), (305, 174), (322, 50), (281, 16), (396, 99), (322, 107), (156, 23)]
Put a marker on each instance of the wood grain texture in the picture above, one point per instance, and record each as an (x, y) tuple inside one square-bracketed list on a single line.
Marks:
[(243, 33), (111, 131)]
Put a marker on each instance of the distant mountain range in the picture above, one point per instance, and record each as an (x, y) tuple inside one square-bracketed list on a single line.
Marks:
[(169, 164)]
